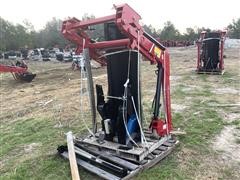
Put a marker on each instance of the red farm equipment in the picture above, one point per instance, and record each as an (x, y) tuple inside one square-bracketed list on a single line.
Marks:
[(122, 147), (210, 52), (19, 71)]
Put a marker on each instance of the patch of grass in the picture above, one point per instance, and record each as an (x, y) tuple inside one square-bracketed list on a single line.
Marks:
[(43, 167), (237, 140), (167, 169), (179, 93), (233, 123), (204, 93), (41, 162), (203, 77), (200, 121), (228, 78), (227, 174), (200, 127)]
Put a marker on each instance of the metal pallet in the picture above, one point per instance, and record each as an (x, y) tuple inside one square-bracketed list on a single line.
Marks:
[(108, 164)]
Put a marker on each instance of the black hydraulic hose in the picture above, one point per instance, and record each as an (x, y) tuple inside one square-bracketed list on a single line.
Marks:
[(154, 41), (158, 92)]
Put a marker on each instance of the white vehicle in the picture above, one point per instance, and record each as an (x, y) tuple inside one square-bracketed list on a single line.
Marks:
[(67, 56), (36, 54)]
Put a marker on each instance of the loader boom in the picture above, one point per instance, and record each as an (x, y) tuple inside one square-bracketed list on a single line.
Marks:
[(19, 71), (127, 21), (122, 147)]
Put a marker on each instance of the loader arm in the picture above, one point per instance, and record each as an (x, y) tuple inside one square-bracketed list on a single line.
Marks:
[(19, 71), (12, 69), (127, 21)]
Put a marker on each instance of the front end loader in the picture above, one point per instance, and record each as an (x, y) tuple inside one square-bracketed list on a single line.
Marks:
[(122, 147)]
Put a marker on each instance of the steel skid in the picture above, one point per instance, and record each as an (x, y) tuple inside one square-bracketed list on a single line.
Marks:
[(122, 147), (210, 52)]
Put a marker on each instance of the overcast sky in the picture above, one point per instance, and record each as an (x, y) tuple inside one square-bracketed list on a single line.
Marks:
[(215, 14)]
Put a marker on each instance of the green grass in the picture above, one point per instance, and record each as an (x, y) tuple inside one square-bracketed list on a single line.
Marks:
[(237, 140), (45, 164), (235, 123), (228, 78), (200, 128), (43, 167), (200, 121), (168, 169), (42, 162), (202, 91)]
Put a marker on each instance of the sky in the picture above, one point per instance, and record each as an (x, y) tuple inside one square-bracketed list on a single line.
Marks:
[(214, 14)]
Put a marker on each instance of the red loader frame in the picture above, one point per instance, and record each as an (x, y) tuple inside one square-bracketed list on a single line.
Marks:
[(19, 71), (204, 50), (127, 21), (116, 159)]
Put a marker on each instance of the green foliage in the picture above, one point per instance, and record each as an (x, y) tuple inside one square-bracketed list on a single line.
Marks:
[(234, 29), (169, 32), (190, 34), (151, 30), (51, 35), (15, 37)]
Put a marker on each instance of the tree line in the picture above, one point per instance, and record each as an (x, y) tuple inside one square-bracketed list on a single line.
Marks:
[(170, 32), (15, 37)]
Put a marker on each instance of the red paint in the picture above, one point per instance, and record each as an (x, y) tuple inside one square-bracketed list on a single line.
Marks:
[(127, 21), (12, 69), (159, 126), (221, 48)]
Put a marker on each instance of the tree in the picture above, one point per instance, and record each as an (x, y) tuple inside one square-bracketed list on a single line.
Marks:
[(51, 35), (87, 16), (234, 29), (190, 35), (169, 32), (150, 30), (12, 37)]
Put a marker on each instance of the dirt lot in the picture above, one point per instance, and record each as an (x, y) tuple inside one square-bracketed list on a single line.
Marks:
[(34, 117)]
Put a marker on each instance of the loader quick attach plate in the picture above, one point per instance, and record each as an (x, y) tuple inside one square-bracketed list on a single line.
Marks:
[(111, 160)]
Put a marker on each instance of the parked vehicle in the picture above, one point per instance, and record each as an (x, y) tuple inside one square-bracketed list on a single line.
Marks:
[(36, 55), (45, 55), (18, 54), (5, 55), (67, 56), (24, 53), (59, 56), (64, 56), (52, 53), (12, 55)]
